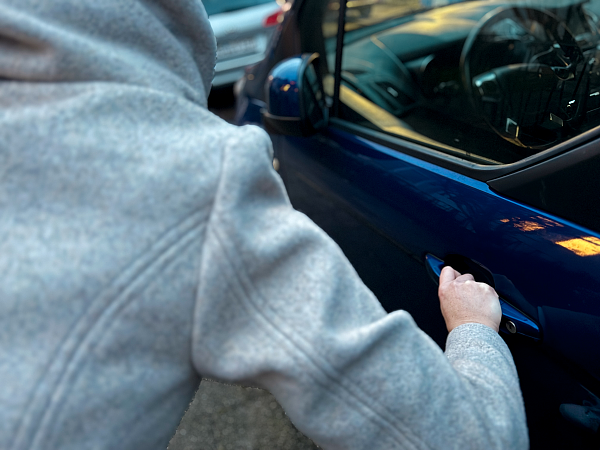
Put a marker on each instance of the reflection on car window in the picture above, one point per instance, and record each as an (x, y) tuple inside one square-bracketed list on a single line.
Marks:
[(361, 14), (489, 81), (220, 6), (365, 13)]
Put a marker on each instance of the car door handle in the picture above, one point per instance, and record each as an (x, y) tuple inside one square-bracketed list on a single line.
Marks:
[(513, 320)]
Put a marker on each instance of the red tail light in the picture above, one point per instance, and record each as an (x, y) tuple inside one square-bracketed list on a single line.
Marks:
[(274, 19)]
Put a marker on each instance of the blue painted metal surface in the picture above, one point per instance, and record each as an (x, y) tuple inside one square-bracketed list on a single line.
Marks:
[(522, 324), (248, 111), (538, 260), (282, 88), (535, 257)]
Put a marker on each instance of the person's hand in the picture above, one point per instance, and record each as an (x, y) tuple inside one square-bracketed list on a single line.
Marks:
[(463, 300)]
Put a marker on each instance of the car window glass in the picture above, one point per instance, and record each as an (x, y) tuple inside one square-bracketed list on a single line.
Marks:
[(362, 14), (220, 6), (488, 81)]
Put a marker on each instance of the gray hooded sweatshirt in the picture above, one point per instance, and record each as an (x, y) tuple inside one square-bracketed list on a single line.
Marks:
[(144, 241)]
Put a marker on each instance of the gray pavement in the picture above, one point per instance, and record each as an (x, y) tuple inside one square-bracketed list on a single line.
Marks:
[(226, 417)]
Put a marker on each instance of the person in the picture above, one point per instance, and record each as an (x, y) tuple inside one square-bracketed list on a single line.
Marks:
[(144, 241)]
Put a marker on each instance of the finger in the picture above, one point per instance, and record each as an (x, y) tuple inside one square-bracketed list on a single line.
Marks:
[(448, 275), (465, 277)]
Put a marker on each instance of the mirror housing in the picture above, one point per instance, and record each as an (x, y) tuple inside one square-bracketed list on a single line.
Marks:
[(295, 97)]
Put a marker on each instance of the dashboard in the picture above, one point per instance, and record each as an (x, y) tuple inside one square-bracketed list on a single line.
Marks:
[(485, 72)]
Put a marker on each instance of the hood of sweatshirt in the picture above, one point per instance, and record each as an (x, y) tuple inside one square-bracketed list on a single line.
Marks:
[(166, 45)]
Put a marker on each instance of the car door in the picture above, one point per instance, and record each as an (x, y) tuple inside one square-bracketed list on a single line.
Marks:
[(412, 171)]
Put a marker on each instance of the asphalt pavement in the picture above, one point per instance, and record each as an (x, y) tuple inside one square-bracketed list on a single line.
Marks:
[(227, 417)]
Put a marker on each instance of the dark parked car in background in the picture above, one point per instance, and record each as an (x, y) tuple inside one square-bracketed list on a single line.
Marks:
[(465, 134)]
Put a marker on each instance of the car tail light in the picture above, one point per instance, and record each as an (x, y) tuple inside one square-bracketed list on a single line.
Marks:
[(274, 19)]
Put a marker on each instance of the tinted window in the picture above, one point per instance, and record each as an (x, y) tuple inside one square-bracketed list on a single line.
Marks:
[(488, 81)]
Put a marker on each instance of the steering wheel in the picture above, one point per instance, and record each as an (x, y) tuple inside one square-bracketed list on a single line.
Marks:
[(524, 72), (375, 72)]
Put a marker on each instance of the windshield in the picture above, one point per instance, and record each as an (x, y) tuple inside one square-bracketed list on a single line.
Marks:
[(220, 6)]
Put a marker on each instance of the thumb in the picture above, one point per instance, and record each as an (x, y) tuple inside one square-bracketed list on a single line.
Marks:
[(448, 275)]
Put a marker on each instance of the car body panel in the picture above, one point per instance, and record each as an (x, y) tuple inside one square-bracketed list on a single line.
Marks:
[(421, 209), (514, 241)]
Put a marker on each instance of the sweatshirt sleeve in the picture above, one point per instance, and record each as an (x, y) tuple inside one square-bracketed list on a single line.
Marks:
[(280, 307)]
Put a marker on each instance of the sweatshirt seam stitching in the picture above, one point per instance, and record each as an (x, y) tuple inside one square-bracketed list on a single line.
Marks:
[(21, 428)]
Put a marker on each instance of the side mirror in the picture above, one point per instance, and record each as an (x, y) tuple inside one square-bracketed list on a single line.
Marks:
[(295, 97)]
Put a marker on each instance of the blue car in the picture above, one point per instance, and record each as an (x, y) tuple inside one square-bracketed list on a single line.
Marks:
[(424, 134)]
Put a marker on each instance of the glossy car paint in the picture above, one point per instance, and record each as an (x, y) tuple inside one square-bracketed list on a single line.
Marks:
[(546, 267), (521, 246), (284, 89)]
